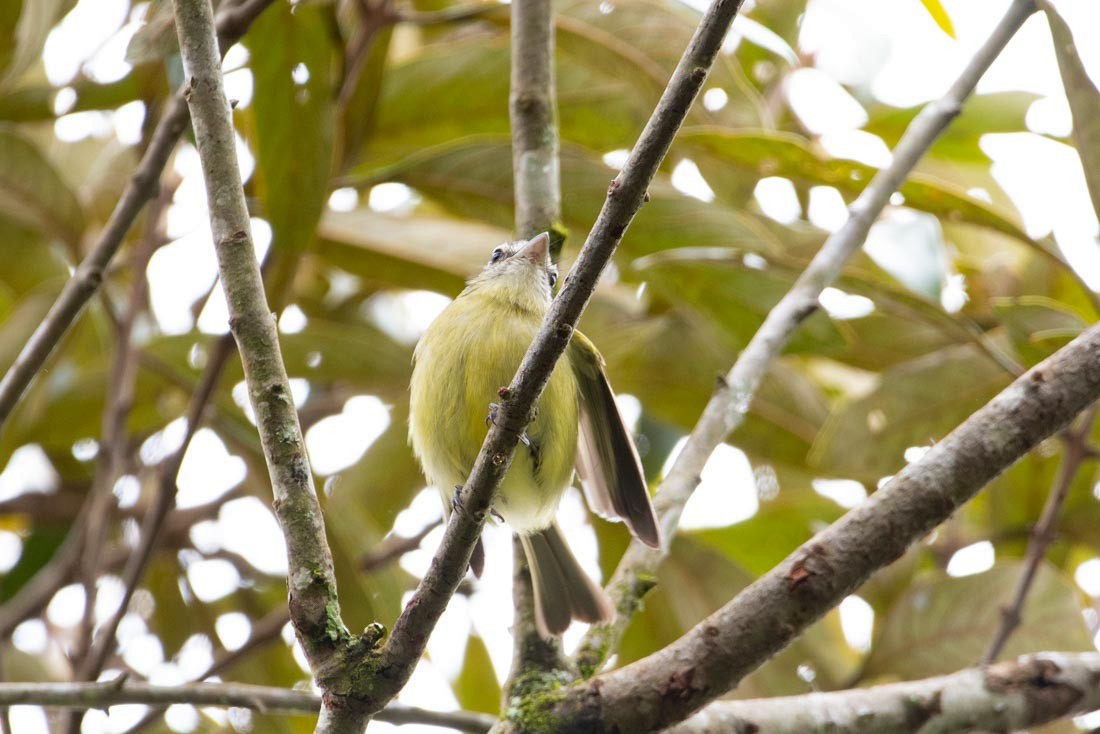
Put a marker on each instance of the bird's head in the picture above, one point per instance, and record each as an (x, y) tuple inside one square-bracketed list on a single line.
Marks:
[(520, 273)]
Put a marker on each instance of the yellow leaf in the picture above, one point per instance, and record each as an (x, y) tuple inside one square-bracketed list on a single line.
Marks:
[(943, 20)]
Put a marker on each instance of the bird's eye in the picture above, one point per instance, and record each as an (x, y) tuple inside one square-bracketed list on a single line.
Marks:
[(497, 256), (553, 277)]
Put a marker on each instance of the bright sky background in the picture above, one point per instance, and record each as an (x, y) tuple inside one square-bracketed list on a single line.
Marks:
[(889, 49)]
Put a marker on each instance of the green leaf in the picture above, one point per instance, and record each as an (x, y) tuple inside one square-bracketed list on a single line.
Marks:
[(1084, 101), (22, 41), (156, 39), (780, 526), (476, 687), (1037, 325), (33, 195), (938, 628), (940, 16), (1001, 112), (913, 404), (783, 154), (473, 177), (293, 62), (405, 252)]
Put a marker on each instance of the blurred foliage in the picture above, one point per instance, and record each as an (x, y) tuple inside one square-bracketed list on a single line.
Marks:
[(358, 95)]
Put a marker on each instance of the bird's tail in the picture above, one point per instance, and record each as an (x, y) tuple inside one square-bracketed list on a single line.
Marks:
[(563, 591)]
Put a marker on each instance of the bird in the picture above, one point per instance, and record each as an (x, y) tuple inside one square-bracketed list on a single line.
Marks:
[(466, 355)]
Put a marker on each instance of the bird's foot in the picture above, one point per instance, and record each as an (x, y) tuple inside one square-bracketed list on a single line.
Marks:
[(523, 438), (456, 499)]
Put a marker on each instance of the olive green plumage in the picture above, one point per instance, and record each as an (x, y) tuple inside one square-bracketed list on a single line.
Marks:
[(467, 354)]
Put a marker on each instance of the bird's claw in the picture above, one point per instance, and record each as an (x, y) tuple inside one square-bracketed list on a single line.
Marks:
[(456, 499), (523, 438)]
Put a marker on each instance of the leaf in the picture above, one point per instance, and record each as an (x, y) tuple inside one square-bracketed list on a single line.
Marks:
[(940, 16), (937, 627), (473, 177), (156, 39), (1084, 101), (33, 195), (790, 156), (779, 527), (913, 404), (36, 19), (736, 290), (476, 686), (419, 252), (29, 103), (1001, 112), (1037, 325), (293, 62), (357, 111)]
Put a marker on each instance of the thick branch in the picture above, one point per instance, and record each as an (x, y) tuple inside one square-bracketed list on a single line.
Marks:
[(313, 602), (727, 408), (260, 698), (624, 198), (232, 23), (716, 654), (1009, 696)]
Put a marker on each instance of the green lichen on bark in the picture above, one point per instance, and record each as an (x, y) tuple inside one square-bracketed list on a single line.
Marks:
[(534, 696)]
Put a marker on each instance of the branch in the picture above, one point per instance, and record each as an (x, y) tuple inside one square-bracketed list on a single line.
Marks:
[(313, 603), (532, 105), (727, 407), (1076, 452), (86, 280), (1009, 696), (624, 198), (163, 503), (113, 444), (716, 654), (261, 698), (536, 177)]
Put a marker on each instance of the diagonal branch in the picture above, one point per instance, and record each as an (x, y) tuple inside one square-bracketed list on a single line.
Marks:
[(625, 196), (727, 407), (232, 24), (1075, 453), (711, 658), (1009, 696)]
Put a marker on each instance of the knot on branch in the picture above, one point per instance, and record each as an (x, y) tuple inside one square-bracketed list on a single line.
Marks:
[(1037, 679)]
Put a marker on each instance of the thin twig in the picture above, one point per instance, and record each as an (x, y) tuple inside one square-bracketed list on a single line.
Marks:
[(86, 280), (728, 406), (84, 696), (264, 632), (392, 548), (1074, 455), (163, 502), (113, 444)]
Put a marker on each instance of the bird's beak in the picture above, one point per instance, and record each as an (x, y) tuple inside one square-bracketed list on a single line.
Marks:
[(536, 250)]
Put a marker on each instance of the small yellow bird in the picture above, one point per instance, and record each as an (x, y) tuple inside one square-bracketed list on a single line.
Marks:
[(467, 354)]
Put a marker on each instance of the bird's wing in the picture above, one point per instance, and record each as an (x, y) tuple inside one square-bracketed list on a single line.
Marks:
[(607, 462)]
